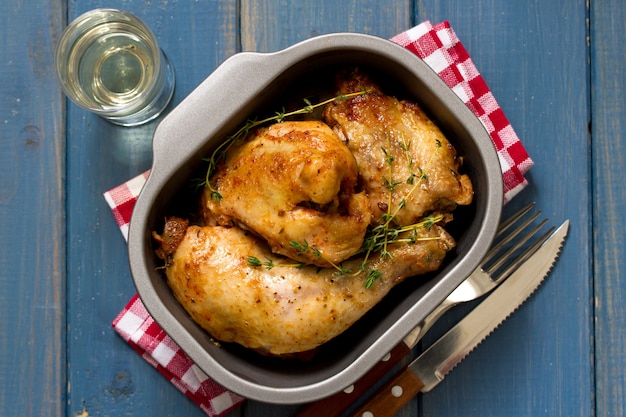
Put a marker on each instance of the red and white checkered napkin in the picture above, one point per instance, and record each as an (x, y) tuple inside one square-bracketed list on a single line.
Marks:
[(144, 335), (141, 332), (439, 47)]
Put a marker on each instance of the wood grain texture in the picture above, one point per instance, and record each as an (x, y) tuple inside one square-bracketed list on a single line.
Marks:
[(270, 25), (392, 396), (533, 55), (335, 405), (105, 376), (608, 80), (32, 232), (64, 267)]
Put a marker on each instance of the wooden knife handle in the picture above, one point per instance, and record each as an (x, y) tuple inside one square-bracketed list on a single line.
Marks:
[(392, 396), (336, 404)]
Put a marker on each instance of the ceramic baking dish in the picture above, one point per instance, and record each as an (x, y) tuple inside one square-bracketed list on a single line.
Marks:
[(251, 85)]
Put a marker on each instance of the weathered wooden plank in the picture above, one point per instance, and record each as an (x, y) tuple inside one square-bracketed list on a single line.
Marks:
[(533, 55), (106, 377), (32, 233), (270, 25), (608, 22)]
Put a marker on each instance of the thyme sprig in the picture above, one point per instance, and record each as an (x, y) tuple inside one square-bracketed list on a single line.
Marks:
[(382, 235), (372, 276), (250, 124), (378, 238), (303, 247), (270, 264)]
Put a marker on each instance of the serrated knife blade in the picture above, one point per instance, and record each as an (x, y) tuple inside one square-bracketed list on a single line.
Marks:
[(431, 367)]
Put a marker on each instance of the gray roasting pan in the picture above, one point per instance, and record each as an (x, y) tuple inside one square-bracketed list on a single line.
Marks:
[(254, 85)]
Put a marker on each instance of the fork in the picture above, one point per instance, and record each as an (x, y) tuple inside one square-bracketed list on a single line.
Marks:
[(485, 278), (499, 263)]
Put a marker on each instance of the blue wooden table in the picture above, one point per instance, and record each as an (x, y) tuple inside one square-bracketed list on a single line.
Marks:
[(557, 69)]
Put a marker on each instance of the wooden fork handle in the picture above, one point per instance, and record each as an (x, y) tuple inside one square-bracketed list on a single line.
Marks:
[(392, 397), (336, 404)]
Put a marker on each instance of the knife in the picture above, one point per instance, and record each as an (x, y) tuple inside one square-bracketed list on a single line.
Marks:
[(431, 367)]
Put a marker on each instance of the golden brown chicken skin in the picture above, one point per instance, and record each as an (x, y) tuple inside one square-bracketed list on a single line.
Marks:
[(284, 309), (402, 156), (293, 184), (348, 201)]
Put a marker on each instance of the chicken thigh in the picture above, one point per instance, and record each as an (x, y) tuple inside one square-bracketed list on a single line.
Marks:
[(293, 183), (404, 159)]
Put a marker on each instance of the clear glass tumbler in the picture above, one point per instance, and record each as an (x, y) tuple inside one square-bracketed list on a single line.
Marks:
[(108, 62)]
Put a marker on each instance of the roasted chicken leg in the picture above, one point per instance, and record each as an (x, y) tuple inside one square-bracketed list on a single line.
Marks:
[(284, 309)]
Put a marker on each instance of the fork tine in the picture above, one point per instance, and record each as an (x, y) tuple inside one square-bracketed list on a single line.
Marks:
[(518, 244), (508, 238), (506, 224), (525, 255)]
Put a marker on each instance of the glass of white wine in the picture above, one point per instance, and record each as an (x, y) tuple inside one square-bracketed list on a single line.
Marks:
[(108, 62)]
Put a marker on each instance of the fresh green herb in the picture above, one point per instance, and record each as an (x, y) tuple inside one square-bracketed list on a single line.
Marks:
[(303, 247), (378, 238), (269, 263), (372, 276), (254, 261)]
